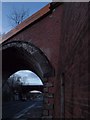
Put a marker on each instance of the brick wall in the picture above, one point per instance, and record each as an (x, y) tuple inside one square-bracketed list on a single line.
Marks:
[(74, 60)]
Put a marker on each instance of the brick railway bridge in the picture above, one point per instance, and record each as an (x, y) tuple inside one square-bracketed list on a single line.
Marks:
[(54, 44)]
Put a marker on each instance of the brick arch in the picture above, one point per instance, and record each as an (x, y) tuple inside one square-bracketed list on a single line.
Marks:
[(29, 53), (18, 55)]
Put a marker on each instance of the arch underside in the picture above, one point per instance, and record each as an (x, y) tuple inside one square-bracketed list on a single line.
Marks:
[(18, 55)]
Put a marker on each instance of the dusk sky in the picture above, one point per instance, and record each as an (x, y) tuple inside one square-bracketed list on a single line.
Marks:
[(7, 7)]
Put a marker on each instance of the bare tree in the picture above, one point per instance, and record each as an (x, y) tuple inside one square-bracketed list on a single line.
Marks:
[(17, 16)]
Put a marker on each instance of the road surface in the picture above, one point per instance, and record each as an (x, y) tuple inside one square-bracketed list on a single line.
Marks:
[(22, 110)]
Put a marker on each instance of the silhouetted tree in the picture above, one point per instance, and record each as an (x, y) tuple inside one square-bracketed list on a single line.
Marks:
[(17, 16)]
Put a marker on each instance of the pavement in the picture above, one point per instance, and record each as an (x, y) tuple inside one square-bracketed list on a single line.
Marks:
[(23, 110)]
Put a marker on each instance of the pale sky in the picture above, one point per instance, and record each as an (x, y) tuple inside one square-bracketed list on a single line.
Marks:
[(7, 8), (45, 0), (29, 78), (26, 0)]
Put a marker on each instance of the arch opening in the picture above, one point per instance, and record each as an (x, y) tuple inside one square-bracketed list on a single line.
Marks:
[(23, 55), (26, 86), (19, 56)]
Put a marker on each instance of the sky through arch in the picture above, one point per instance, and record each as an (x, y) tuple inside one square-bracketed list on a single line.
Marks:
[(28, 77)]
